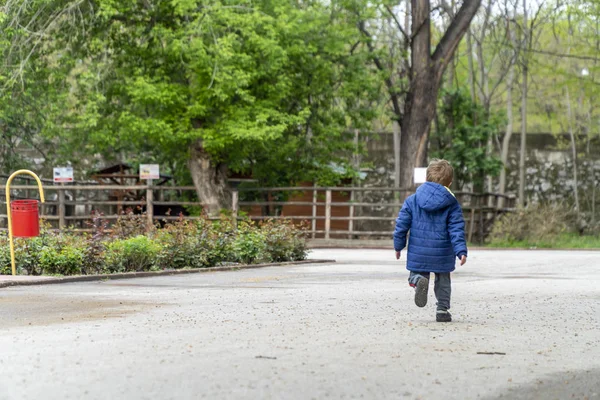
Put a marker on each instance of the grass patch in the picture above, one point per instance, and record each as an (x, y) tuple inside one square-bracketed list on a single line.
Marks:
[(563, 241)]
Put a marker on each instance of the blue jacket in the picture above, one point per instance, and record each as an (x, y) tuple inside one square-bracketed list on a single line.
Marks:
[(437, 229)]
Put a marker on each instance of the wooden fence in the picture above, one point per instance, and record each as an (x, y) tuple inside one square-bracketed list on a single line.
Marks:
[(329, 212)]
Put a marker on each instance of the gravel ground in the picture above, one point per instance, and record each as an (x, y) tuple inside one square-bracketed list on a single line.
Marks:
[(340, 331)]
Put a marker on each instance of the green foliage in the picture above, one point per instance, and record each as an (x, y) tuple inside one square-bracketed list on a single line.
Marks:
[(563, 241), (65, 260), (184, 245), (462, 132), (284, 241), (563, 45), (5, 265), (249, 245), (270, 241), (217, 238), (181, 244), (28, 252), (268, 87), (135, 254), (47, 254)]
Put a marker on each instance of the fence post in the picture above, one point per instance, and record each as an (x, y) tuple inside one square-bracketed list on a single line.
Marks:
[(351, 215), (471, 224), (61, 208), (235, 206), (481, 228), (150, 204), (327, 213), (313, 224)]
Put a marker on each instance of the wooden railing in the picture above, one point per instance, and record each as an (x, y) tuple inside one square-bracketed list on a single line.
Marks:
[(342, 212)]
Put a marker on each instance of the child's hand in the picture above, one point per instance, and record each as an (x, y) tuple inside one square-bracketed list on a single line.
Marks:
[(463, 260), (397, 255)]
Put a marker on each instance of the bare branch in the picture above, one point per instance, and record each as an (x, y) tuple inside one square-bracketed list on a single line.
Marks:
[(406, 37), (454, 33)]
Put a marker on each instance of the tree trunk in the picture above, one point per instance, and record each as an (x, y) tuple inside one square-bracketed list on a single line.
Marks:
[(210, 180), (471, 65), (425, 77), (523, 110), (571, 134), (397, 154), (573, 152), (419, 111), (509, 127), (484, 92)]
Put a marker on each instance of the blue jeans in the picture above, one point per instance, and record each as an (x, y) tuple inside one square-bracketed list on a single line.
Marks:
[(442, 287)]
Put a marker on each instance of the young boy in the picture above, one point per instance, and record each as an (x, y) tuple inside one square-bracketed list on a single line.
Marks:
[(437, 235)]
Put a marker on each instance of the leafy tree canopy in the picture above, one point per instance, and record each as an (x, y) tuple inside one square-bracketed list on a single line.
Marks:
[(267, 87)]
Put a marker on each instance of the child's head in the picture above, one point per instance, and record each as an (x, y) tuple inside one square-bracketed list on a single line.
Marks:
[(440, 171)]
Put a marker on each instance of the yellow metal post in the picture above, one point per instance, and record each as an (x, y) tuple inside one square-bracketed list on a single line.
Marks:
[(8, 211)]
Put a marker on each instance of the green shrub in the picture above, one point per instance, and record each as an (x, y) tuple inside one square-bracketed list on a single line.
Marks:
[(65, 260), (250, 244), (5, 265), (217, 239), (181, 247), (27, 254), (181, 244), (55, 253), (284, 241), (95, 245), (139, 253)]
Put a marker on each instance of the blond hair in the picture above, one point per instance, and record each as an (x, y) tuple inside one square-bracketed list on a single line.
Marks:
[(440, 171)]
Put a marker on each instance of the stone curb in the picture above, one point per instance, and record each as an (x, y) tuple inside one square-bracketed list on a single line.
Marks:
[(148, 274)]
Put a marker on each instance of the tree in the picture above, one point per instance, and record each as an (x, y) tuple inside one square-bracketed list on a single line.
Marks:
[(425, 75), (524, 90), (463, 128), (509, 110), (262, 88), (33, 83), (414, 108)]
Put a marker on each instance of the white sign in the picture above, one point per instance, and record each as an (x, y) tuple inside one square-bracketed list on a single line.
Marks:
[(62, 175), (149, 171), (420, 175)]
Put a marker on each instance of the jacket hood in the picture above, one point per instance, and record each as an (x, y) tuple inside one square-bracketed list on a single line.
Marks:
[(433, 197)]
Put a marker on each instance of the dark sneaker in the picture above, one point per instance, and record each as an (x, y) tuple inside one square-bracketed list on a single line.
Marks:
[(443, 316), (421, 292)]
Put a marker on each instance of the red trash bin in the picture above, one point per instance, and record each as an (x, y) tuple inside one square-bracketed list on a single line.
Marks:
[(25, 218)]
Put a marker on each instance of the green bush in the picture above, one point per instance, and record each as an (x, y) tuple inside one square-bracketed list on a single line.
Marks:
[(218, 238), (181, 244), (139, 253), (5, 265), (284, 241), (27, 253), (250, 244), (67, 260)]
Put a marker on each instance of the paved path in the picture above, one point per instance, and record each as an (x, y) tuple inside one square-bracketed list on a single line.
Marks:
[(339, 331)]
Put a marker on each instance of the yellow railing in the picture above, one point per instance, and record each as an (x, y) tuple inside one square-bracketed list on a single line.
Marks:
[(9, 213)]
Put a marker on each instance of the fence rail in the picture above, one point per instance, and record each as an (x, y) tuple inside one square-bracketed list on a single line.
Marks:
[(351, 212)]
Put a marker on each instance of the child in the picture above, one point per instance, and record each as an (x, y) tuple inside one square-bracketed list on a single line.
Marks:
[(437, 235)]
